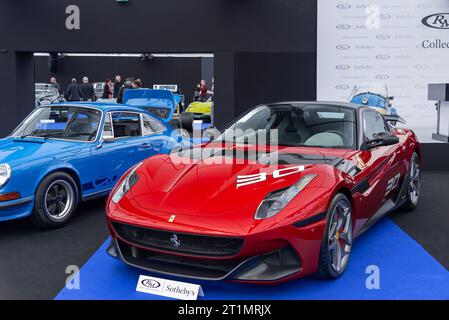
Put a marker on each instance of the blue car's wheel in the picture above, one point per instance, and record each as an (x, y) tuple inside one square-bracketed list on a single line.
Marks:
[(56, 200)]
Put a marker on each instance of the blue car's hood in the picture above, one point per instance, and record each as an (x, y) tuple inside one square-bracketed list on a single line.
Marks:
[(370, 99), (19, 151), (160, 103)]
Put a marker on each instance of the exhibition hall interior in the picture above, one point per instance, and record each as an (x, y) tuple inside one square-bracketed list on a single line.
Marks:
[(224, 150)]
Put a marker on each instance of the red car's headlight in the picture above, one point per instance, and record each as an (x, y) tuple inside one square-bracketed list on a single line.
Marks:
[(126, 184), (274, 202)]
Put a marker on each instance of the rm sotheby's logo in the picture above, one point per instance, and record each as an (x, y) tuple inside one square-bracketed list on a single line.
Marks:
[(437, 21), (343, 6), (343, 26), (342, 67), (150, 283), (382, 76), (342, 87), (343, 47)]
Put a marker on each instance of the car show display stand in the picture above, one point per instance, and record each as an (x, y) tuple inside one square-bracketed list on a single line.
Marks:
[(378, 270), (440, 92)]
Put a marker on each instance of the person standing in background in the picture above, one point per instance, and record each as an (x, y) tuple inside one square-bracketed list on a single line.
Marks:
[(107, 90), (73, 91), (196, 93), (203, 91), (129, 84), (125, 86), (55, 84), (137, 84), (117, 85), (87, 91)]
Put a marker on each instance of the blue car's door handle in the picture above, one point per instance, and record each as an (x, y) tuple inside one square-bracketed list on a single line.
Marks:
[(146, 145)]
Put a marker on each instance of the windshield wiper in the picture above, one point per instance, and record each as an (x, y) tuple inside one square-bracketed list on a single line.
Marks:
[(44, 135)]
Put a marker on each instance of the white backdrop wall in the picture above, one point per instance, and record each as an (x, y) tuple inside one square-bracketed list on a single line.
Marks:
[(404, 43)]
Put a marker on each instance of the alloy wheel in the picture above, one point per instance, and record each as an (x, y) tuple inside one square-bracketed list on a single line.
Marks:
[(340, 236), (415, 182), (58, 199)]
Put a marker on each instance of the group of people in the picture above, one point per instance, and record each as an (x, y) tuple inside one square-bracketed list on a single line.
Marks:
[(114, 90), (119, 87), (80, 92), (86, 91)]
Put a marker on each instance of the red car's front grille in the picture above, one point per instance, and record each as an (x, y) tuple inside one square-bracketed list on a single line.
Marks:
[(177, 265), (185, 243)]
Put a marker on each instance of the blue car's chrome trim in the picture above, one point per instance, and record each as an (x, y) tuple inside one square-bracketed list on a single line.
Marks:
[(15, 203), (97, 194)]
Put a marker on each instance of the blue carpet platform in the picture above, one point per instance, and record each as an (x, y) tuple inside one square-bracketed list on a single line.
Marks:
[(407, 271)]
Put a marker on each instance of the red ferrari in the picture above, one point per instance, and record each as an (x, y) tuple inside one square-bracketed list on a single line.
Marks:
[(280, 194)]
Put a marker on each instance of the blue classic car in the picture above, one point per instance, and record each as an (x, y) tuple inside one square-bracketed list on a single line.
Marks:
[(373, 94), (62, 154)]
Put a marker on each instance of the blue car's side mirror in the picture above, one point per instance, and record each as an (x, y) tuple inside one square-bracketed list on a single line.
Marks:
[(108, 139)]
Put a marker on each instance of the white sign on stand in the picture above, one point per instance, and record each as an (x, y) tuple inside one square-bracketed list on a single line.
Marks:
[(169, 288)]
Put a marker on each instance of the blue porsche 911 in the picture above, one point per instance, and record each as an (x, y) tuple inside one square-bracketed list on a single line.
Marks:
[(62, 154)]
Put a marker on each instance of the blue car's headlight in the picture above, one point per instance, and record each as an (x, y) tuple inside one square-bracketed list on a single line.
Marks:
[(274, 202), (126, 184), (5, 174)]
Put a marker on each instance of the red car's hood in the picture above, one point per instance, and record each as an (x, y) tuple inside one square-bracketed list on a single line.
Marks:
[(199, 188)]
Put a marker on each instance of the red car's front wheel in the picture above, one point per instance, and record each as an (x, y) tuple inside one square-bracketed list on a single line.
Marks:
[(337, 239)]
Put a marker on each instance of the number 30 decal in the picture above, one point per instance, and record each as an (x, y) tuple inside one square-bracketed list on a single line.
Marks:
[(260, 177), (392, 184)]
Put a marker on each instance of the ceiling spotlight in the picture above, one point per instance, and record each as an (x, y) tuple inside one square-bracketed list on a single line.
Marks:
[(146, 57)]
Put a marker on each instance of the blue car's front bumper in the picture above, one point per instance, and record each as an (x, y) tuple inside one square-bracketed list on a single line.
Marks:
[(16, 208)]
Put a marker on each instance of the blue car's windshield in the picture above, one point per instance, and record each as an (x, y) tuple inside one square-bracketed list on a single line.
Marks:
[(61, 122)]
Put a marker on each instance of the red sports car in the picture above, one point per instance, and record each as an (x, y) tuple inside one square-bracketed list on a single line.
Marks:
[(280, 194)]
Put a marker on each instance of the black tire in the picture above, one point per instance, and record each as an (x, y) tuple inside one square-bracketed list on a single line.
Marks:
[(412, 203), (186, 119), (175, 123), (326, 269), (45, 212)]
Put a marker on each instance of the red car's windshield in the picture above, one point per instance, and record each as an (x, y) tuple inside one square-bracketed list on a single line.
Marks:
[(312, 125)]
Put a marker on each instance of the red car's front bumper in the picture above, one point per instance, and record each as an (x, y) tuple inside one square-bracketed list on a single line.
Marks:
[(276, 255)]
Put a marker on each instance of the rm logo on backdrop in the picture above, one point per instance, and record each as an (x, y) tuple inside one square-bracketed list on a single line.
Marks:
[(72, 22), (437, 21)]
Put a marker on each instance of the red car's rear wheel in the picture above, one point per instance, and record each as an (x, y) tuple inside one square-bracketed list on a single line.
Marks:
[(414, 187)]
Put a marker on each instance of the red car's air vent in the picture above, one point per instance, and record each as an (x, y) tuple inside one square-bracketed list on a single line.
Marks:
[(175, 242)]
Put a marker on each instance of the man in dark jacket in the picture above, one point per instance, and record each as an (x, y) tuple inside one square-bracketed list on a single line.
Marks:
[(55, 84), (73, 91), (127, 85), (117, 85), (87, 91)]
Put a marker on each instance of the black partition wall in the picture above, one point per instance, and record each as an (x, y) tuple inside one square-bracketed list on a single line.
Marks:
[(247, 37), (264, 50)]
